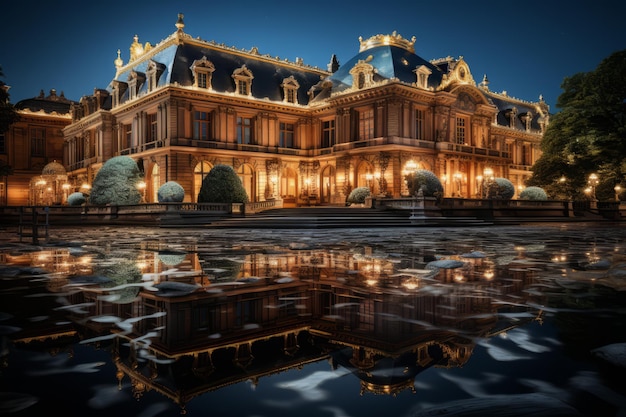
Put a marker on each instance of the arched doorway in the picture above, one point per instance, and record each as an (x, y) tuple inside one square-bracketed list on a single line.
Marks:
[(327, 185), (246, 174), (199, 172), (289, 186)]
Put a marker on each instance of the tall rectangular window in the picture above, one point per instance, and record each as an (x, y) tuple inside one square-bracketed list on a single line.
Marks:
[(128, 136), (152, 128), (244, 130), (37, 141), (3, 143), (419, 124), (328, 133), (460, 130), (366, 124), (202, 125), (286, 135)]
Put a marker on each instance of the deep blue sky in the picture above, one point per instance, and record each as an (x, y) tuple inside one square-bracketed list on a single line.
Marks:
[(525, 48)]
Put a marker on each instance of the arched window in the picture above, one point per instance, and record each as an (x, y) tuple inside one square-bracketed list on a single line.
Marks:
[(199, 172)]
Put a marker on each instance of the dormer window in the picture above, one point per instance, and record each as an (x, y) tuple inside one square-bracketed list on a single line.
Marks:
[(135, 81), (290, 90), (202, 70), (243, 81), (362, 75), (422, 72), (119, 88), (155, 69)]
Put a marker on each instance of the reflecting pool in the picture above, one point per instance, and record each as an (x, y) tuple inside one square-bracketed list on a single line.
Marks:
[(123, 321)]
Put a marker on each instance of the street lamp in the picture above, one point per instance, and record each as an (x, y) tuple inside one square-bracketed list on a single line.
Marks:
[(618, 190), (593, 183), (141, 186)]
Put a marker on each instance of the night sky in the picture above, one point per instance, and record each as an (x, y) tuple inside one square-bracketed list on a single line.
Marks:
[(525, 48)]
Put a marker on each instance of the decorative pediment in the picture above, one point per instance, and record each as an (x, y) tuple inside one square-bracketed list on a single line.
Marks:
[(458, 73), (362, 75), (203, 63), (243, 72)]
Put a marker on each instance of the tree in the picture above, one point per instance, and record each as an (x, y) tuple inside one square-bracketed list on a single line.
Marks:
[(222, 185), (588, 135), (8, 114), (116, 182)]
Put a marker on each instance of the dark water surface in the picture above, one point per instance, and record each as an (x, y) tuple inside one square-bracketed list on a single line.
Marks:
[(123, 321)]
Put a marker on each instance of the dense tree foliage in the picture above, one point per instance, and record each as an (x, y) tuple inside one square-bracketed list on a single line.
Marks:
[(588, 135), (116, 182), (222, 185), (8, 114)]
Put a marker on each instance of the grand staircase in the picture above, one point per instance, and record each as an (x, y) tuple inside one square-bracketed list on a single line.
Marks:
[(340, 217)]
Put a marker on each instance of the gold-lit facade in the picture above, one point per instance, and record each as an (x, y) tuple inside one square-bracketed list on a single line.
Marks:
[(298, 133)]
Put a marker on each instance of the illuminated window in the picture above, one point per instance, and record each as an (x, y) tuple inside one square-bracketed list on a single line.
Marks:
[(328, 133), (202, 70), (419, 124), (243, 80), (290, 90), (244, 130), (366, 124), (286, 135), (37, 141), (460, 130), (202, 125)]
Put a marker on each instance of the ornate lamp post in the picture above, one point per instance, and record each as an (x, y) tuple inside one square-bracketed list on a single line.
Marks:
[(458, 179), (618, 190)]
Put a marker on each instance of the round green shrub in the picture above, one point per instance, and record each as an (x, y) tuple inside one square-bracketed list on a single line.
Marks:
[(358, 195), (116, 182), (426, 180), (171, 192), (76, 199), (222, 185), (533, 193)]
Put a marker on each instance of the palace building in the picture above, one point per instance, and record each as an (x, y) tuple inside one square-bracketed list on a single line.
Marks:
[(292, 131)]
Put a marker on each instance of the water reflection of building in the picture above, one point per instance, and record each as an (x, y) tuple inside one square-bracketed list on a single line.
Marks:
[(384, 321)]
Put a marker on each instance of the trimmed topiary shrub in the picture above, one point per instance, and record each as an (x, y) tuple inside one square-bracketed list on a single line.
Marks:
[(533, 193), (116, 182), (76, 199), (426, 180), (501, 188), (358, 195), (222, 185), (171, 192)]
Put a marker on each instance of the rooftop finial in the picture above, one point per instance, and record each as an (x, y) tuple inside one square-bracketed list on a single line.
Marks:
[(179, 23), (118, 60)]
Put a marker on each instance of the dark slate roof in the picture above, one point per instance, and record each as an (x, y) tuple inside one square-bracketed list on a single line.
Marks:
[(267, 75), (505, 106), (390, 62), (50, 104)]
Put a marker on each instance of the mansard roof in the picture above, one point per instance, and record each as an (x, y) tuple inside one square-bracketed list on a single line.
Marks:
[(176, 54)]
